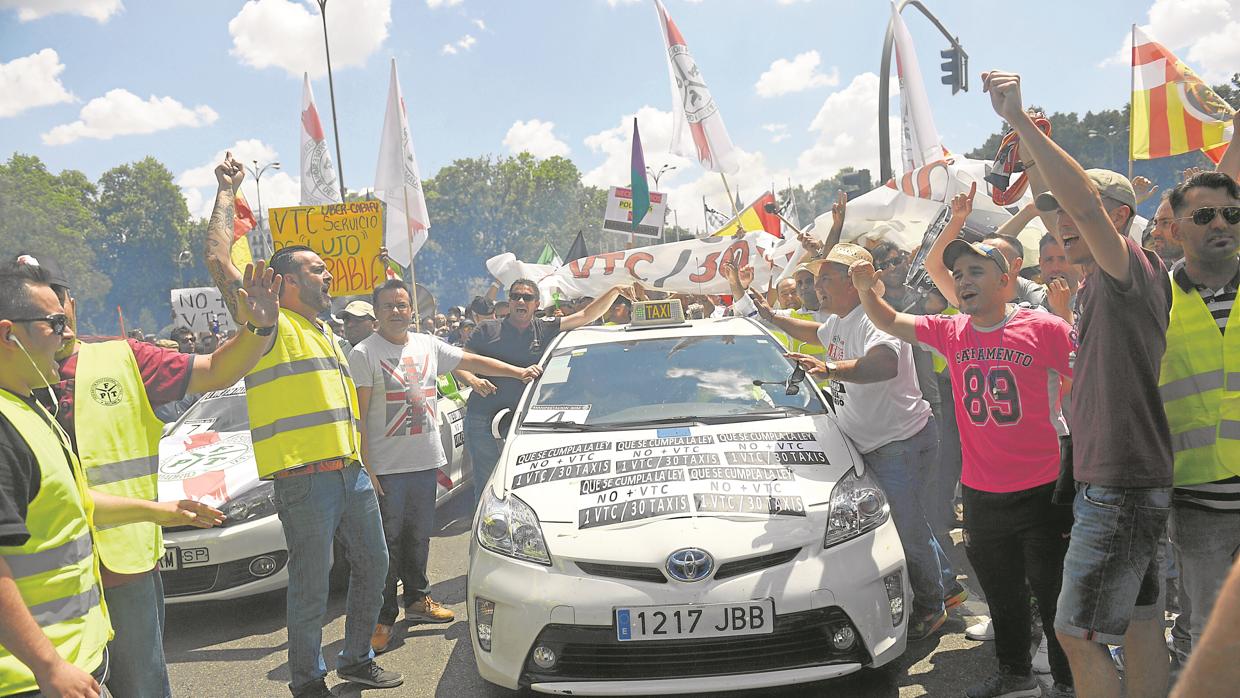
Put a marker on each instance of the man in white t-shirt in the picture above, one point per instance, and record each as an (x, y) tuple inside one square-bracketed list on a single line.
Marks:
[(394, 370), (873, 383)]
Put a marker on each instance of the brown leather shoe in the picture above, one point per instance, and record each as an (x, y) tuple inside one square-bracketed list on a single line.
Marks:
[(428, 610), (380, 639)]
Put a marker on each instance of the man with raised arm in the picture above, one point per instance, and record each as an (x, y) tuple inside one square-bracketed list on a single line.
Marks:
[(1120, 437), (303, 423)]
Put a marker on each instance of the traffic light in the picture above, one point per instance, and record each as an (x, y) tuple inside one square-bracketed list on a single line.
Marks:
[(956, 68)]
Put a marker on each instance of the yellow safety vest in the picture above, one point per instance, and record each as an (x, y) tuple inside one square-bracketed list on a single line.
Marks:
[(1200, 387), (57, 569), (302, 401), (118, 442)]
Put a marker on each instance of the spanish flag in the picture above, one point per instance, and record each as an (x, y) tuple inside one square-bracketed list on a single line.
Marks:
[(243, 222), (1173, 111), (754, 217)]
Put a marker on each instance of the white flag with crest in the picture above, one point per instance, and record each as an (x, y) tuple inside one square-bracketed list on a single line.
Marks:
[(398, 183), (919, 135), (319, 185)]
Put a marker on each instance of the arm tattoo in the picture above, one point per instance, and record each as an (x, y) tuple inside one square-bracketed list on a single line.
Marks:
[(217, 249)]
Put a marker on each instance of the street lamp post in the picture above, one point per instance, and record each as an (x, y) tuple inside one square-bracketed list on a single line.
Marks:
[(331, 88), (655, 176), (257, 173)]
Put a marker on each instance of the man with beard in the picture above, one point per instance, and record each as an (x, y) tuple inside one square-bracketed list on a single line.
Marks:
[(303, 416), (1062, 278), (1161, 239)]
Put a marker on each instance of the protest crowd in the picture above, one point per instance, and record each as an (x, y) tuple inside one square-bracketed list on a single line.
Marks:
[(1077, 414)]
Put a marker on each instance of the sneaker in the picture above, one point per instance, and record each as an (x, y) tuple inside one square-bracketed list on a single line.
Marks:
[(924, 627), (982, 631), (1059, 690), (1042, 658), (316, 689), (1004, 684), (956, 595), (381, 638), (368, 673), (428, 610)]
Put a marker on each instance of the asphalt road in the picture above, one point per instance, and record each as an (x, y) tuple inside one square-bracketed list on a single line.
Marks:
[(239, 648)]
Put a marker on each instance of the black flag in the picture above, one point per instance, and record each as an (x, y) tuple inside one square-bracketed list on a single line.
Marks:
[(578, 249)]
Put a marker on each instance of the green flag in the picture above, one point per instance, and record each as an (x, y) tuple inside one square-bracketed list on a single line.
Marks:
[(641, 190), (549, 256)]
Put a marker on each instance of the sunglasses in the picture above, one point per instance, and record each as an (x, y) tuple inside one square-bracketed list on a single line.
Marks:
[(57, 321), (1203, 216), (522, 297), (895, 261)]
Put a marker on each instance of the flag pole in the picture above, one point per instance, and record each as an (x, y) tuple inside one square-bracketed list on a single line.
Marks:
[(121, 319), (413, 275), (1132, 87), (731, 199)]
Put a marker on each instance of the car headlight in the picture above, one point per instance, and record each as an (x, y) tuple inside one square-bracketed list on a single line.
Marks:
[(858, 505), (510, 527), (254, 503)]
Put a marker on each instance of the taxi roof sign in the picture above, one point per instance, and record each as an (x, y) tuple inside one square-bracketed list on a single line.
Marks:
[(662, 313)]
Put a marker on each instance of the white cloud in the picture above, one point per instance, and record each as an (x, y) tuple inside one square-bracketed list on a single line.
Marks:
[(28, 10), (779, 132), (289, 35), (279, 188), (482, 26), (847, 132), (121, 113), (1200, 32), (796, 75), (464, 43), (31, 81), (436, 4), (535, 137)]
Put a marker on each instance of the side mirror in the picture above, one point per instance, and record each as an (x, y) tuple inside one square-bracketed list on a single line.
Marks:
[(501, 422)]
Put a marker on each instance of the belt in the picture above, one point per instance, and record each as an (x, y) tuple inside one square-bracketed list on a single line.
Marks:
[(323, 466)]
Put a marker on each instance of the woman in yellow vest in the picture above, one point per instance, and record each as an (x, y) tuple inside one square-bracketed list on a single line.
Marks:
[(55, 623)]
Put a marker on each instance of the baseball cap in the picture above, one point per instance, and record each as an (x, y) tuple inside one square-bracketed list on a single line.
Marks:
[(55, 274), (957, 247), (845, 253), (359, 309), (1111, 185)]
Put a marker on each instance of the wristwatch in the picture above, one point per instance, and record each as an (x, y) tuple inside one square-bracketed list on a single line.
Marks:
[(831, 368), (260, 331)]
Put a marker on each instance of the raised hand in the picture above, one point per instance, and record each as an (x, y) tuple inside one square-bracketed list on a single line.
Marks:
[(864, 276), (260, 294), (839, 208), (1059, 297), (1143, 188), (962, 203), (764, 308), (745, 276), (1190, 173), (1004, 89), (229, 173)]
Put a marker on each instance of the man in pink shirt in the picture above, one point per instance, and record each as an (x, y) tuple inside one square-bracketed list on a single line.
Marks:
[(1005, 364)]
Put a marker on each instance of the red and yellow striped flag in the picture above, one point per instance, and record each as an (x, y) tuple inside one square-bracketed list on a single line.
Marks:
[(1173, 111)]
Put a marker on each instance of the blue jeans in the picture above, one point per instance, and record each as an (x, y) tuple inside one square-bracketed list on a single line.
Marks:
[(408, 510), (483, 449), (137, 665), (1208, 544), (900, 467), (1111, 572), (314, 509)]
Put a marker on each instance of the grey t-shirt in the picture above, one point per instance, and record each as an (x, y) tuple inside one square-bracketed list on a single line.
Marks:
[(1031, 293), (402, 417)]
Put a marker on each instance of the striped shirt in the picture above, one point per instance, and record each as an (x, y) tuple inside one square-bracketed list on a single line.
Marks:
[(1222, 495)]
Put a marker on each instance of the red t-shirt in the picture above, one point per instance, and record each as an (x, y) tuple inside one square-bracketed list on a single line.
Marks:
[(165, 374), (1005, 384)]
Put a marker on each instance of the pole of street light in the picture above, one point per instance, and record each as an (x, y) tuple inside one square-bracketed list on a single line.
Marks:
[(257, 173), (331, 88)]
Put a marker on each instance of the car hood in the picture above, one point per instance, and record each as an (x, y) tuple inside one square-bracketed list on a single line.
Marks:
[(206, 466), (772, 473)]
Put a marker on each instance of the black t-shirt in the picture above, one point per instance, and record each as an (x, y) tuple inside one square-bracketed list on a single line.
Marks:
[(20, 479), (499, 339)]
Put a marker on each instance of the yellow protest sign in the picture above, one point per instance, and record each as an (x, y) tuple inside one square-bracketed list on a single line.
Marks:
[(347, 237)]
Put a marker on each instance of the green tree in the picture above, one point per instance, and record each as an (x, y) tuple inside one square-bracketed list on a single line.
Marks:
[(145, 226), (43, 213)]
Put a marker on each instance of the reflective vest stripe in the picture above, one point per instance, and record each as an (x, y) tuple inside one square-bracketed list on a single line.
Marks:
[(1233, 380), (1229, 429), (122, 470), (291, 368), (1194, 438), (1192, 385), (301, 421), (30, 564), (60, 610)]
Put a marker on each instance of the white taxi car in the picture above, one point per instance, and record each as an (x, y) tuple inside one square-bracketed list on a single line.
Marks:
[(675, 510), (207, 456)]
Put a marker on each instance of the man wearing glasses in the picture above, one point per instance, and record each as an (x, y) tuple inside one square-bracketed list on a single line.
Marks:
[(107, 395), (1200, 386), (519, 340)]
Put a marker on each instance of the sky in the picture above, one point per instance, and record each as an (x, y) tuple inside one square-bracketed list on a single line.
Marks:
[(90, 84)]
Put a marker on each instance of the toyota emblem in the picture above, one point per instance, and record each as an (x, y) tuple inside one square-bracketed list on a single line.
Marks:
[(690, 565)]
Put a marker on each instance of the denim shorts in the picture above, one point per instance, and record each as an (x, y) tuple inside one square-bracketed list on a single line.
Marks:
[(1111, 572)]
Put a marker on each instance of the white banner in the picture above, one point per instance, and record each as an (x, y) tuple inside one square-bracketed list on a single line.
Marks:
[(919, 135), (199, 308), (618, 217), (690, 266)]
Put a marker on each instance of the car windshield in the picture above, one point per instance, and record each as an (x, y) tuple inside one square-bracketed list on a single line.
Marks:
[(663, 380), (221, 410)]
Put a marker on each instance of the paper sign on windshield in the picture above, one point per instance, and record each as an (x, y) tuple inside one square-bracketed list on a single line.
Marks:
[(544, 414)]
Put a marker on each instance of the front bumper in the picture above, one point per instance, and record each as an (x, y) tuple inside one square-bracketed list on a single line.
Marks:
[(237, 562), (571, 611)]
